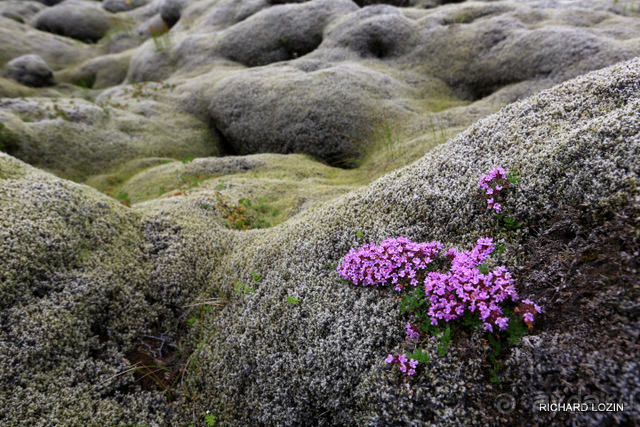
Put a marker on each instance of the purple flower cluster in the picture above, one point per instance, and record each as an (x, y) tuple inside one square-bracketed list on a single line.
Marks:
[(528, 309), (465, 288), (492, 184), (402, 360), (413, 333), (398, 261)]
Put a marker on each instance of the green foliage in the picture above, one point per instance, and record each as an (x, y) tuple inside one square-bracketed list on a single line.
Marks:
[(419, 355), (123, 198), (483, 269), (513, 176), (413, 302), (445, 341), (254, 213), (59, 112), (516, 327), (496, 348), (210, 419), (187, 160), (360, 235), (472, 321), (509, 222), (415, 305), (293, 300), (242, 290), (256, 276)]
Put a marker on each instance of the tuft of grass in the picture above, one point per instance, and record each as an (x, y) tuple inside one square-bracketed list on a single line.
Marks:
[(161, 37)]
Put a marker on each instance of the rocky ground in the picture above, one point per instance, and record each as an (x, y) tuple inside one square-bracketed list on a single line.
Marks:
[(179, 179)]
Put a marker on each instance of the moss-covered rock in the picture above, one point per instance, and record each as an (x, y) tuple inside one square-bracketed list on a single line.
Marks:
[(78, 20), (175, 298), (19, 39), (87, 279), (73, 292), (76, 138)]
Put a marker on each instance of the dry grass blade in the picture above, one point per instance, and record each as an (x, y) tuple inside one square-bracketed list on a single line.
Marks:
[(218, 302)]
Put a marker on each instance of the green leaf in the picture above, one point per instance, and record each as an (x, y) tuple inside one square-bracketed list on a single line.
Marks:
[(483, 269), (445, 341), (419, 355), (210, 419), (512, 177)]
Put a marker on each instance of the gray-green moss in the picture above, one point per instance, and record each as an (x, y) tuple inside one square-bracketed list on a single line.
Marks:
[(75, 138), (83, 277), (74, 292)]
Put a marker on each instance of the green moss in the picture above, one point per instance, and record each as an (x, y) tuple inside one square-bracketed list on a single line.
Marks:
[(11, 89), (8, 139)]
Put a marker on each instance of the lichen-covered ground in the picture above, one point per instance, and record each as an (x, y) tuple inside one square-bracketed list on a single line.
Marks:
[(174, 205)]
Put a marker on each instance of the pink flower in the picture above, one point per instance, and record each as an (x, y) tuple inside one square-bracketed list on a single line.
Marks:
[(502, 323)]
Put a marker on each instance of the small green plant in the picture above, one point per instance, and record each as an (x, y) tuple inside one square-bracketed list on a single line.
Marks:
[(242, 290), (59, 112), (188, 160), (256, 276), (509, 222), (293, 300), (330, 265), (360, 235), (252, 212), (210, 419), (123, 198), (419, 355), (445, 341)]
